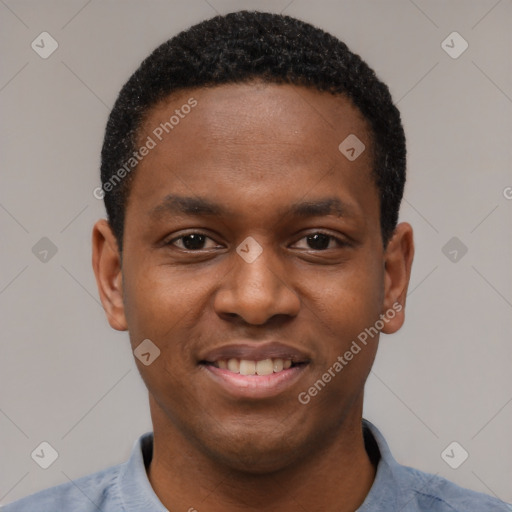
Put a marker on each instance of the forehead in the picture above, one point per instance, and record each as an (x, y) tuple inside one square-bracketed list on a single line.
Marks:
[(252, 141), (261, 109)]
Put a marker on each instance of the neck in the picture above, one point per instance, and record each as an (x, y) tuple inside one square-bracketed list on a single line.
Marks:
[(338, 477)]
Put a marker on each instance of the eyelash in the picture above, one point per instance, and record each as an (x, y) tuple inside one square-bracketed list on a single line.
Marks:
[(339, 241)]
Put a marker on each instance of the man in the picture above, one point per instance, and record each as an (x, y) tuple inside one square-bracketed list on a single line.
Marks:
[(252, 172)]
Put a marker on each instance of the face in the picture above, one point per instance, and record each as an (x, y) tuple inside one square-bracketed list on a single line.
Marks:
[(253, 259)]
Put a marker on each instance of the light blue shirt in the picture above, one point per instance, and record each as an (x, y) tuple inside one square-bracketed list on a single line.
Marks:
[(126, 488)]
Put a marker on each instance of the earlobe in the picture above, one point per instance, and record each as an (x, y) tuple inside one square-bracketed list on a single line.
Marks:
[(397, 268), (106, 263)]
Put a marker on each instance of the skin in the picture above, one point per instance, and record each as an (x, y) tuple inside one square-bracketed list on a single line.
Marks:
[(255, 149)]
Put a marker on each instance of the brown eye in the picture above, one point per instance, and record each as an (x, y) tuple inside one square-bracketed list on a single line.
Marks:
[(320, 241), (192, 242)]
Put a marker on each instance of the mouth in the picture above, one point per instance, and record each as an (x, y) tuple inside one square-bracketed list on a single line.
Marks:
[(248, 371)]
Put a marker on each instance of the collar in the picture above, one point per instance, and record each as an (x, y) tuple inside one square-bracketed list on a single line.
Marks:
[(385, 490), (134, 486)]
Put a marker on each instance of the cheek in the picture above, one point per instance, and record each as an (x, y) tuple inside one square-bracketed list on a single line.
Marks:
[(349, 300), (348, 306), (163, 308), (158, 302)]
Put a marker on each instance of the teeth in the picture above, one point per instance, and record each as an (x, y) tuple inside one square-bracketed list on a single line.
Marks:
[(234, 365), (247, 367), (265, 367), (278, 365)]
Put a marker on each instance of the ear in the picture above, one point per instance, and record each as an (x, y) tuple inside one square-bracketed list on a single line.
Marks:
[(106, 263), (397, 272)]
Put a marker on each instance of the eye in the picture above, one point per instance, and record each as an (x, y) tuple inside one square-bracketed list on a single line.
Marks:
[(192, 242), (319, 241)]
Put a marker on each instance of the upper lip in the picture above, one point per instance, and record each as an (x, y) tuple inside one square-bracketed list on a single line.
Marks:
[(255, 352)]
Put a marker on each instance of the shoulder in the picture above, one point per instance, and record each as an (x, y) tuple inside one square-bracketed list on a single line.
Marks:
[(398, 487), (425, 491), (97, 491)]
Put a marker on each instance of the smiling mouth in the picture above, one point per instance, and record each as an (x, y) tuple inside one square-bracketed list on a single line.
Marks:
[(250, 367)]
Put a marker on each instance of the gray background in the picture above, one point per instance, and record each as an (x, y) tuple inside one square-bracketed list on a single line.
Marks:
[(67, 378)]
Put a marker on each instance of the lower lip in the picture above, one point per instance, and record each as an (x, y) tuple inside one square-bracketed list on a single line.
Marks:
[(255, 386)]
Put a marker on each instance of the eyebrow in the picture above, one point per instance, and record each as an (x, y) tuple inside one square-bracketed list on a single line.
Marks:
[(320, 207), (174, 204)]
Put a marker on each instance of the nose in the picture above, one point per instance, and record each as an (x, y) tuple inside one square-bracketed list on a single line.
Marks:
[(256, 291)]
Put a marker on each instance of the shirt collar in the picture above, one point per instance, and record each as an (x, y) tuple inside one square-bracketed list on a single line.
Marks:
[(135, 488), (384, 493), (137, 493)]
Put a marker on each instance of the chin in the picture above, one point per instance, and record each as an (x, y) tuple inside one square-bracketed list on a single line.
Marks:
[(254, 453)]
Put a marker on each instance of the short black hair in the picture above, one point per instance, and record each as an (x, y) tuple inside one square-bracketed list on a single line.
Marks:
[(241, 47)]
